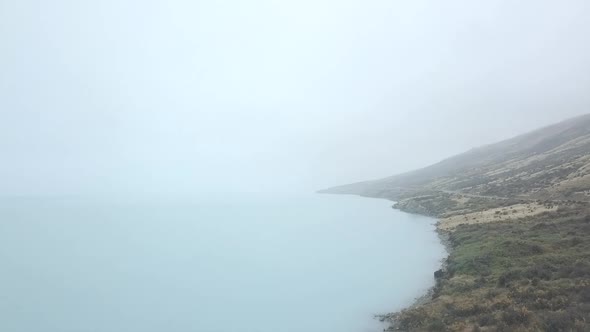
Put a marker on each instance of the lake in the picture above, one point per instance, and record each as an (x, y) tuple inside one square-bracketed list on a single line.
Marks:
[(221, 263)]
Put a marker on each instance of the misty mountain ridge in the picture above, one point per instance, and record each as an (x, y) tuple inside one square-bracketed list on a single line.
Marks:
[(512, 214), (551, 163)]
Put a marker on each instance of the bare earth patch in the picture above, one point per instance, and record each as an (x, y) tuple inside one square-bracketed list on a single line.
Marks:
[(513, 212)]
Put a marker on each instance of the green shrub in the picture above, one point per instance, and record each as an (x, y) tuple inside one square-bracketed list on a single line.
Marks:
[(516, 316), (437, 326), (486, 320), (507, 277)]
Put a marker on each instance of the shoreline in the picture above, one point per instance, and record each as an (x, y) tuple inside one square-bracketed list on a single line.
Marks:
[(511, 265), (514, 217), (522, 271), (427, 297)]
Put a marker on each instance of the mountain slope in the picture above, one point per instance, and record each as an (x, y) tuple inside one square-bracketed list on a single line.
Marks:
[(551, 163), (516, 220)]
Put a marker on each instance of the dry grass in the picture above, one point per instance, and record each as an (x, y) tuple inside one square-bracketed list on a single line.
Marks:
[(529, 274), (509, 213)]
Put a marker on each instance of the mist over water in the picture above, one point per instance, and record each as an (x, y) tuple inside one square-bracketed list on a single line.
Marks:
[(242, 263), (174, 96), (119, 98)]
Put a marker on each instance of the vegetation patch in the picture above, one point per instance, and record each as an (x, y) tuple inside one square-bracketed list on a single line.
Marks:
[(527, 275)]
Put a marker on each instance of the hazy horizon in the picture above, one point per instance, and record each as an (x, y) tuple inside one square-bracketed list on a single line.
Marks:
[(183, 97)]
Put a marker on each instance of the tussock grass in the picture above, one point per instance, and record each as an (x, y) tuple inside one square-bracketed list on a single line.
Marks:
[(527, 275)]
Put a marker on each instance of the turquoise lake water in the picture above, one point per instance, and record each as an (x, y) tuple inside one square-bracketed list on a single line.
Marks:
[(252, 263)]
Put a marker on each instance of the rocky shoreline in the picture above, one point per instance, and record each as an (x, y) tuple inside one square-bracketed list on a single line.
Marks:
[(428, 296), (515, 218), (523, 271)]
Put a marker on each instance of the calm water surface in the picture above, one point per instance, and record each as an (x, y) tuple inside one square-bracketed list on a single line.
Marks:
[(311, 263)]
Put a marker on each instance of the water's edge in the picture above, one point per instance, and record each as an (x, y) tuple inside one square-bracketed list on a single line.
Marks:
[(443, 237), (152, 242), (427, 296)]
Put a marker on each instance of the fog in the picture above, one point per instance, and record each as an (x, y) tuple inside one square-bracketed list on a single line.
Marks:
[(248, 96)]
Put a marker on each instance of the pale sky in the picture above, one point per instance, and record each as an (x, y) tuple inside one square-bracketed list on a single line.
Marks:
[(212, 96)]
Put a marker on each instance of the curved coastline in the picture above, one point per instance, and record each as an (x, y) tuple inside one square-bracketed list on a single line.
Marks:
[(390, 319), (443, 236), (525, 268)]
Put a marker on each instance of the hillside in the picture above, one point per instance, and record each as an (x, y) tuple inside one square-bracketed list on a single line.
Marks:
[(549, 163), (516, 219)]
